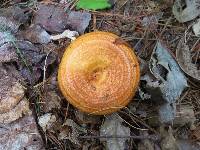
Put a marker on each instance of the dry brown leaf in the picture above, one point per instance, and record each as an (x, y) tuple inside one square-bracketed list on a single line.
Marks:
[(36, 34), (7, 53), (186, 10), (168, 140), (51, 101), (84, 118), (113, 127), (46, 121), (54, 19), (13, 17), (20, 135), (17, 112), (183, 55), (195, 134), (11, 91)]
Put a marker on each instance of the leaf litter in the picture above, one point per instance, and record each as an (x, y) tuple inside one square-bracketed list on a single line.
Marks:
[(32, 41), (185, 60), (17, 46), (113, 127), (172, 83)]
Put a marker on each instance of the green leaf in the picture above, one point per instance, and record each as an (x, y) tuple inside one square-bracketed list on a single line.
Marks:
[(93, 4)]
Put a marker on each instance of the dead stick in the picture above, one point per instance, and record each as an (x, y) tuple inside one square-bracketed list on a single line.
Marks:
[(151, 137)]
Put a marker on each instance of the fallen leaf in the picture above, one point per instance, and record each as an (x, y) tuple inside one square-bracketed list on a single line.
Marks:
[(51, 17), (51, 101), (172, 81), (46, 121), (195, 134), (54, 19), (113, 127), (13, 17), (11, 91), (196, 28), (184, 59), (187, 145), (21, 109), (78, 21), (36, 34), (7, 53), (35, 59), (186, 10), (168, 140), (6, 36), (145, 144), (93, 4), (184, 116), (84, 118), (76, 131), (21, 134)]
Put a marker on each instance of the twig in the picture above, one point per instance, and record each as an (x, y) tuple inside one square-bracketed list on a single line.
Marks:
[(151, 137), (140, 121), (45, 67), (132, 125), (165, 26), (94, 22), (73, 4)]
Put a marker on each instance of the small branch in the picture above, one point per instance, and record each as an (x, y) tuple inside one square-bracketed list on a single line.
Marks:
[(151, 137)]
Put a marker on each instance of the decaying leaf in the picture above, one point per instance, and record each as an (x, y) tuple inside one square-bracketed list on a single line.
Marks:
[(21, 134), (12, 18), (5, 36), (187, 145), (195, 134), (37, 34), (51, 101), (54, 19), (7, 53), (172, 81), (113, 127), (84, 118), (196, 28), (186, 10), (17, 124), (46, 121), (145, 144), (184, 116), (76, 131), (168, 140), (78, 21), (184, 59), (17, 112), (35, 59), (11, 91)]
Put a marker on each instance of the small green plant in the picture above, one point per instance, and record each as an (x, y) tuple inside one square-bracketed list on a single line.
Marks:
[(93, 4)]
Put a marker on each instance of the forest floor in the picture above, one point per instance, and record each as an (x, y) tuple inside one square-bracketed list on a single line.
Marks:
[(165, 112)]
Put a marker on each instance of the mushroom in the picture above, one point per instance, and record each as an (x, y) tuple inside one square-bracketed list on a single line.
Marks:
[(99, 74)]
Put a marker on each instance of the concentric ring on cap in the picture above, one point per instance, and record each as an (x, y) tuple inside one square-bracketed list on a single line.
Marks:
[(97, 74)]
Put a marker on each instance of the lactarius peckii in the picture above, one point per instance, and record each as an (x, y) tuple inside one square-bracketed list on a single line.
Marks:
[(99, 73)]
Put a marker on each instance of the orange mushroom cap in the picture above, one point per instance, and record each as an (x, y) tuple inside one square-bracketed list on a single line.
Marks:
[(97, 74)]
